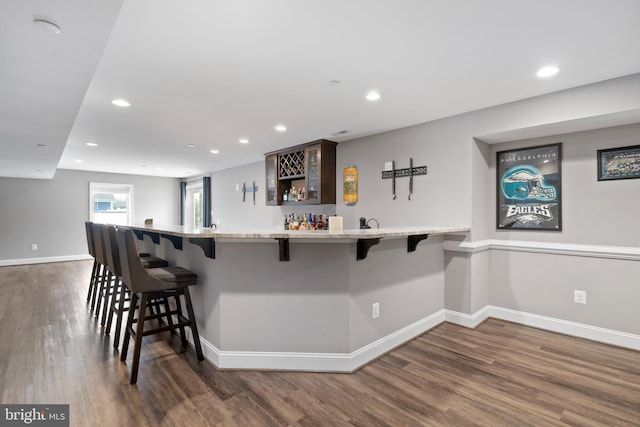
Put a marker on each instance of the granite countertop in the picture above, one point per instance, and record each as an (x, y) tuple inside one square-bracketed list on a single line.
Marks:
[(372, 233)]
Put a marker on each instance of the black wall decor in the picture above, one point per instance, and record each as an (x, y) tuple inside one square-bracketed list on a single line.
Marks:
[(410, 172)]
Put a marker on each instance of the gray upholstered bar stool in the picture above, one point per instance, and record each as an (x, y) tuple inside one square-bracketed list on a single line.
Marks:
[(106, 279), (97, 267), (153, 283)]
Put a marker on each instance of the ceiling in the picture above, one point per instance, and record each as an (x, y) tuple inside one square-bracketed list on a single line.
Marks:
[(202, 74)]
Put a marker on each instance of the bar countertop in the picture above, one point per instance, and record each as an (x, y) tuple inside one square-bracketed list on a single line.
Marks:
[(371, 233)]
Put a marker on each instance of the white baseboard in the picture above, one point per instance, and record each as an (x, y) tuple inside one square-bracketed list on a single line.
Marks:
[(594, 333), (318, 362), (467, 320), (339, 362), (44, 260)]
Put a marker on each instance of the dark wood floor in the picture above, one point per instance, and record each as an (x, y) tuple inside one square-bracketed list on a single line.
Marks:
[(52, 351)]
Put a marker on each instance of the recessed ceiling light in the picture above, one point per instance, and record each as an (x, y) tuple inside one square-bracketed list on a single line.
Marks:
[(192, 145), (158, 169), (373, 96), (547, 71), (121, 102), (334, 82), (243, 141), (90, 144), (214, 151), (41, 145), (47, 25), (79, 161), (143, 166), (280, 128)]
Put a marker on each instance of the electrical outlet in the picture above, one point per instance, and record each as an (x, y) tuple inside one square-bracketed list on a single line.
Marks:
[(580, 297), (34, 246), (388, 166), (375, 310)]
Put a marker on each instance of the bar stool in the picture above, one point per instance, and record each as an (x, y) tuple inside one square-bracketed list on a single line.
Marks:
[(120, 293), (109, 280), (106, 278), (153, 283), (95, 271)]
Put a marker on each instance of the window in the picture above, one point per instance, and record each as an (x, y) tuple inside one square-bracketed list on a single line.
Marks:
[(111, 203)]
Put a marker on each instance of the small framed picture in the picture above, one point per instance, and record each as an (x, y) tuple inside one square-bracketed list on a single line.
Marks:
[(619, 163), (528, 190)]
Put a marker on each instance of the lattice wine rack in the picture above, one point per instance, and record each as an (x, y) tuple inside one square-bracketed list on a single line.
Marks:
[(291, 164)]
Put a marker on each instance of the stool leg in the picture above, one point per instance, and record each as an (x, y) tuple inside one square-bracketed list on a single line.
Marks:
[(119, 313), (181, 317), (142, 313), (109, 293), (106, 274), (167, 309), (193, 326), (91, 281), (128, 327), (112, 305), (94, 294)]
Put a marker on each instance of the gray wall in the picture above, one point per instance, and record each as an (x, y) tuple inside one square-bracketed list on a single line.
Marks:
[(442, 197), (602, 213), (594, 212), (459, 187), (543, 284), (234, 214), (52, 212), (408, 286)]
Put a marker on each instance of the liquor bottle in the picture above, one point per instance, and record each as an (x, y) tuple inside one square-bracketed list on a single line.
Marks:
[(286, 222), (285, 196)]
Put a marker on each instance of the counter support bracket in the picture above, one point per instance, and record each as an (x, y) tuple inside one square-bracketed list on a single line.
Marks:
[(284, 249), (155, 237), (208, 246), (363, 247), (412, 241), (176, 240)]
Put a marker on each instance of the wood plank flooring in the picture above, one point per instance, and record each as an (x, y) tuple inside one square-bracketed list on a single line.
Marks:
[(52, 351)]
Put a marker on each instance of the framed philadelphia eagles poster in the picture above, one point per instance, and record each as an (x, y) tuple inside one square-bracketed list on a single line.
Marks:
[(529, 188)]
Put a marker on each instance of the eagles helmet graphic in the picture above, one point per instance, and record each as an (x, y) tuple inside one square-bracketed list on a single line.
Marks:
[(526, 182)]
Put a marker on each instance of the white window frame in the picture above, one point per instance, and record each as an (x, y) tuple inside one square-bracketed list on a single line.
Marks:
[(106, 187)]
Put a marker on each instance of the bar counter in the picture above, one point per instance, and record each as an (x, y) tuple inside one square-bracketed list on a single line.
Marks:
[(304, 300)]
